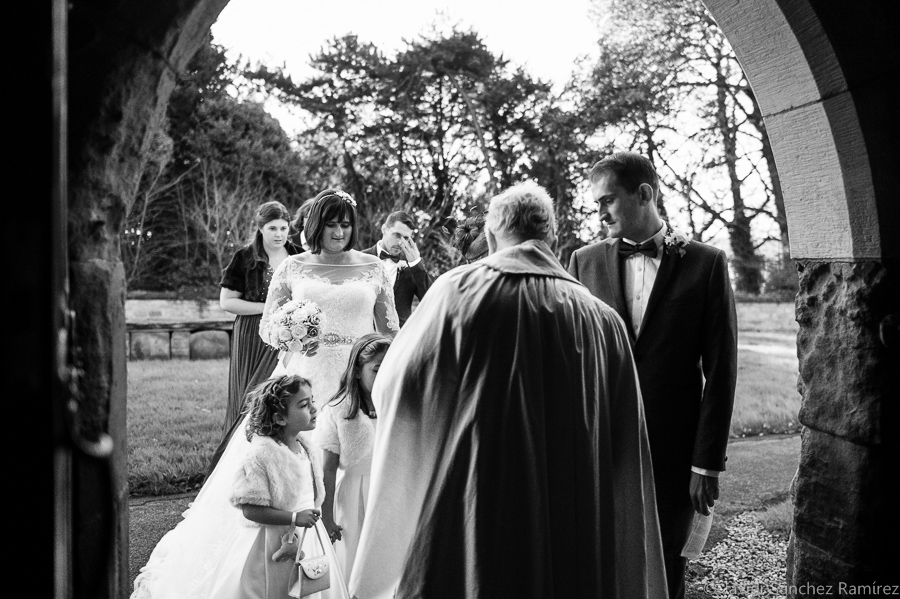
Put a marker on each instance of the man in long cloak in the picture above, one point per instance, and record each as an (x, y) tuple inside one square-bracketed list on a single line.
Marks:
[(511, 456)]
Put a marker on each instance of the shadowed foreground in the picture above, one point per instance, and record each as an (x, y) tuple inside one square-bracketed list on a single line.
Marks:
[(760, 471)]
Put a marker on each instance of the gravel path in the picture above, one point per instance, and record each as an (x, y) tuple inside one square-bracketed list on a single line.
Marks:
[(747, 563)]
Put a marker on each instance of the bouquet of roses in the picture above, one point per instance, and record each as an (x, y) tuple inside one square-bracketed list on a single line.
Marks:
[(295, 326)]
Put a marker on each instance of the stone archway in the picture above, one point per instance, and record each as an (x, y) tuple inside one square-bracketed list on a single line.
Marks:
[(825, 101), (826, 106), (122, 60)]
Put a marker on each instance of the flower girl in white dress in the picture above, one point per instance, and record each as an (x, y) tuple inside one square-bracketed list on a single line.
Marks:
[(346, 436), (276, 484)]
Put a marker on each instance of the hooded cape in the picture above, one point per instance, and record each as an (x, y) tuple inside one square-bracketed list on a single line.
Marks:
[(511, 455)]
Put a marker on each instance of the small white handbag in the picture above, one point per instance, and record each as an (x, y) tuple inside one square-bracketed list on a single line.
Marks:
[(310, 574)]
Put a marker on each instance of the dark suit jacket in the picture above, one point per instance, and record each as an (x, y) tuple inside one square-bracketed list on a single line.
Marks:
[(686, 354), (412, 281)]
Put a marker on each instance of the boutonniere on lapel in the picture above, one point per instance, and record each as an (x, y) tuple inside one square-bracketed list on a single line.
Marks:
[(675, 242)]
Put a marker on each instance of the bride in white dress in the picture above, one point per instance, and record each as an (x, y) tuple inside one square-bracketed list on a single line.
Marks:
[(353, 291)]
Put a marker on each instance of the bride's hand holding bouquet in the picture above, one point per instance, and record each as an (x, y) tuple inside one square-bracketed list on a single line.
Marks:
[(295, 327)]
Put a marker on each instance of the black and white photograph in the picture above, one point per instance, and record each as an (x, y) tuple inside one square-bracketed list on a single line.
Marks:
[(423, 299)]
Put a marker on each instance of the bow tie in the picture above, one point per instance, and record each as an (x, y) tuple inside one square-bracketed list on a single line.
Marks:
[(383, 255), (648, 248)]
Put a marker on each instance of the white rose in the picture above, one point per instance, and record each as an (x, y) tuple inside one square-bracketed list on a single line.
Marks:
[(298, 331)]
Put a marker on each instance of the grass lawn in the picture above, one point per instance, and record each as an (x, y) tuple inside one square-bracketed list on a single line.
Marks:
[(175, 413), (777, 518), (176, 408), (771, 318), (766, 399)]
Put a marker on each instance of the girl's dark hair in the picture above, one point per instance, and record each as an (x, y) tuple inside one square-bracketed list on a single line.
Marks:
[(301, 215), (266, 213), (367, 348), (330, 205), (268, 399), (469, 238)]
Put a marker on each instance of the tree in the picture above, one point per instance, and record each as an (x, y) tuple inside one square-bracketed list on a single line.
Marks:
[(140, 250), (352, 141), (338, 97), (558, 158), (435, 130), (214, 158), (405, 125)]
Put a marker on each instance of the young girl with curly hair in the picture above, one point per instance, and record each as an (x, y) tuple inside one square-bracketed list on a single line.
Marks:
[(276, 486)]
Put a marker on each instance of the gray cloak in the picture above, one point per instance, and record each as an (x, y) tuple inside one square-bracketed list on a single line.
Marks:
[(511, 455)]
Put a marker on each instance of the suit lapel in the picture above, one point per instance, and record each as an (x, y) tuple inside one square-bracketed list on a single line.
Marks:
[(401, 278), (670, 261), (614, 283)]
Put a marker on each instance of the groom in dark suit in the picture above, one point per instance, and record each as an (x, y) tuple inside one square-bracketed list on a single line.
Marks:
[(401, 259), (676, 300)]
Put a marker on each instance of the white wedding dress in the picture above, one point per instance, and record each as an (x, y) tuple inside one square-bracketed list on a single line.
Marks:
[(190, 561), (356, 299)]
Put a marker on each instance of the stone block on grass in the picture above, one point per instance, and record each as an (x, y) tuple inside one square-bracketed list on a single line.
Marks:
[(209, 345), (181, 345), (150, 345)]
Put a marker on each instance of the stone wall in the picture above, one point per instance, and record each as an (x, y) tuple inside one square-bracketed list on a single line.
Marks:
[(845, 495), (161, 310), (177, 329)]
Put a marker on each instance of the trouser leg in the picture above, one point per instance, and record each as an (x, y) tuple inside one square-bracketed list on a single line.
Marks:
[(674, 527)]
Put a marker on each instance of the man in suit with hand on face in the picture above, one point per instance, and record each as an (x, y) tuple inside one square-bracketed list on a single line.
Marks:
[(676, 300), (401, 259)]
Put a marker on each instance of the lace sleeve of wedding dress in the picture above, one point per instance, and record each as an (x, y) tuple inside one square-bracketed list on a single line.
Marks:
[(279, 294), (386, 320)]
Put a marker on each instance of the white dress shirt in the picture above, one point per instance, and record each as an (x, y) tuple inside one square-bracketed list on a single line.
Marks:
[(392, 267), (640, 275)]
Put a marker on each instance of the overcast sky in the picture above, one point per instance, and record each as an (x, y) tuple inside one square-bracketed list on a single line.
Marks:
[(545, 37)]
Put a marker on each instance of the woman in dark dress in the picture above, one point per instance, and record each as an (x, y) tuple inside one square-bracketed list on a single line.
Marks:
[(245, 284)]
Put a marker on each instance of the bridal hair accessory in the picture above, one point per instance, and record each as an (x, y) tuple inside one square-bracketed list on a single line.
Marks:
[(346, 197), (312, 574), (675, 241)]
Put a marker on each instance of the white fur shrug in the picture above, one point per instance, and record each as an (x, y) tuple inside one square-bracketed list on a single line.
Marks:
[(272, 475), (353, 440)]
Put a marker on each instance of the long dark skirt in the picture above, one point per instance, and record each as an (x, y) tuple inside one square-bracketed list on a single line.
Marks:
[(252, 361)]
